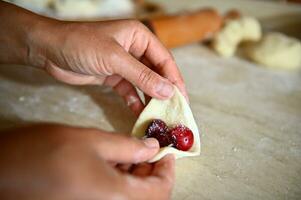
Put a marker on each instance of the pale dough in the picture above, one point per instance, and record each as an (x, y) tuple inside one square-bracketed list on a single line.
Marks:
[(37, 6), (276, 51), (172, 111), (234, 32), (70, 9), (93, 8)]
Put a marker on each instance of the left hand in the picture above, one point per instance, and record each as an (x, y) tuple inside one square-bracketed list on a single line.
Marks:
[(121, 54)]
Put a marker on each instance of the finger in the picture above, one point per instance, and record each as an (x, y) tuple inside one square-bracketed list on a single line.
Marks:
[(121, 149), (127, 91), (112, 80), (147, 99), (170, 72), (158, 57), (165, 71), (163, 62), (143, 169), (164, 169), (157, 185), (141, 76), (129, 94), (72, 77), (124, 167)]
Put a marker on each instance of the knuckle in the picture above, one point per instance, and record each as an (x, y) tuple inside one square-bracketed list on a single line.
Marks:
[(169, 61), (103, 68), (169, 185), (114, 57), (146, 77), (128, 184), (135, 23), (167, 188), (137, 26), (178, 81), (138, 150)]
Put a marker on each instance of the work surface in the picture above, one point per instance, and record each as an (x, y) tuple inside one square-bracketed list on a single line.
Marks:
[(249, 117)]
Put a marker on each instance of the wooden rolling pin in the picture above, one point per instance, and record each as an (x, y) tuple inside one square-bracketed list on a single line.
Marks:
[(177, 30)]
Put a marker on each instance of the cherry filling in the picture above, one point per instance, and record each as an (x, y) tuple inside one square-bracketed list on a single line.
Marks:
[(158, 129), (179, 136), (182, 137)]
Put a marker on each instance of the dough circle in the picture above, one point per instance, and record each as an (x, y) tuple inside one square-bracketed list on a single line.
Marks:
[(172, 111)]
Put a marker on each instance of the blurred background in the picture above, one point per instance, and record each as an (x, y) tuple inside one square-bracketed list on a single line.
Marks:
[(77, 9), (278, 15)]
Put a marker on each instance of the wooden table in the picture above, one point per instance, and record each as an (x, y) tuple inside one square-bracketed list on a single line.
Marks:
[(249, 117)]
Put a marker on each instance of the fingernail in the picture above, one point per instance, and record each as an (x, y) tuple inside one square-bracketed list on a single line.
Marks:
[(151, 142), (165, 89)]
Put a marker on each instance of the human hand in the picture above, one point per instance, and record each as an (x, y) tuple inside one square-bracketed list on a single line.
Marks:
[(62, 162), (121, 54)]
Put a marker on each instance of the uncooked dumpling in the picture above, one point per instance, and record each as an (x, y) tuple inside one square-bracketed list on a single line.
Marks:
[(172, 111)]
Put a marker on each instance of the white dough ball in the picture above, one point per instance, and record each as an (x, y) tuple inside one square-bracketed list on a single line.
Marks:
[(234, 32), (93, 8), (79, 9), (73, 9), (38, 6), (277, 51)]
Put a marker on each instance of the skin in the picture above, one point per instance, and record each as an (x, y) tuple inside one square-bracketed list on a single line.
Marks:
[(60, 162), (120, 54), (49, 161)]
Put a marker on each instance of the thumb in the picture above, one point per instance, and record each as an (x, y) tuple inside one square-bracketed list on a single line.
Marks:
[(122, 149), (141, 76)]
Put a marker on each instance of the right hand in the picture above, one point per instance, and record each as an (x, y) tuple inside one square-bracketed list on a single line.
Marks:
[(62, 162)]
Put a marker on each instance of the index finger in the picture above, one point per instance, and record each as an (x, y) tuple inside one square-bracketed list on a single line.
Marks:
[(158, 185)]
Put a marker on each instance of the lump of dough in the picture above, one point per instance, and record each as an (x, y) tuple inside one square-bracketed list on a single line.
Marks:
[(172, 111), (276, 51), (73, 9), (38, 6), (69, 9), (234, 32), (76, 9)]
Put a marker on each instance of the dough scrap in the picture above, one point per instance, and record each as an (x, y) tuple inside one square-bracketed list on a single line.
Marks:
[(93, 8), (77, 9), (38, 6), (276, 51), (234, 32), (172, 111)]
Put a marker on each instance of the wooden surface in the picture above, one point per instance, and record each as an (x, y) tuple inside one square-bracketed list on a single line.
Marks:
[(249, 117)]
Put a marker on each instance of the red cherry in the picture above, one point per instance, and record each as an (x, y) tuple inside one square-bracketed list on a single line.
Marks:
[(159, 130), (182, 137)]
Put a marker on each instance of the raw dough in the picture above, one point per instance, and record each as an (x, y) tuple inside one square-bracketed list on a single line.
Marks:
[(172, 111), (277, 51), (70, 9), (234, 32), (37, 6)]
